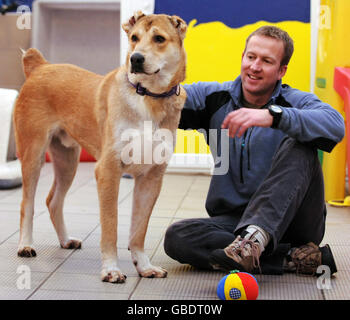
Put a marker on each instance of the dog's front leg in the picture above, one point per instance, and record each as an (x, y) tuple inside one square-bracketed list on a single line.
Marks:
[(108, 178), (146, 192)]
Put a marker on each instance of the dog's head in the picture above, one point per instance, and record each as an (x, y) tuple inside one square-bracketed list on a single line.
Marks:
[(156, 55)]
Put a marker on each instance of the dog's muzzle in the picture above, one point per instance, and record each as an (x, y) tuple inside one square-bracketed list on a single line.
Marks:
[(137, 62)]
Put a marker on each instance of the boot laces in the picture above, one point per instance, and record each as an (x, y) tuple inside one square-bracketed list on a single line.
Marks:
[(245, 248)]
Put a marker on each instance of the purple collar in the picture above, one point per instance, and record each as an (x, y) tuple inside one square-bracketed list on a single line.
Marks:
[(143, 91)]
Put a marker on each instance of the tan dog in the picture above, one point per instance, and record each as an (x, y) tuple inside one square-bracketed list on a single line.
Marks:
[(62, 108)]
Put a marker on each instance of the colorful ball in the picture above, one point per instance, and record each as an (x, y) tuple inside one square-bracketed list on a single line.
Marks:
[(238, 286)]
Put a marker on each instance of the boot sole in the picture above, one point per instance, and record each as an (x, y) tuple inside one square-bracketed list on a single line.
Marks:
[(328, 259), (220, 260)]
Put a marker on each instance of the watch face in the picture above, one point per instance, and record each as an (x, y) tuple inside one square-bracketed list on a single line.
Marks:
[(276, 109)]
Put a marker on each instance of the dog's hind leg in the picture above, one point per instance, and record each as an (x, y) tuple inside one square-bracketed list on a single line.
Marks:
[(65, 161), (146, 191), (32, 158)]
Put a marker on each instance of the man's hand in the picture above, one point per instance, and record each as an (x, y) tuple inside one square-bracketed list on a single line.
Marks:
[(238, 121)]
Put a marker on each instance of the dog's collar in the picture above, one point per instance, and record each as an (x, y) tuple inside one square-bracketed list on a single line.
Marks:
[(144, 92)]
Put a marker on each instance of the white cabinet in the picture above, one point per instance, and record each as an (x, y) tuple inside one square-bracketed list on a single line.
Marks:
[(86, 33)]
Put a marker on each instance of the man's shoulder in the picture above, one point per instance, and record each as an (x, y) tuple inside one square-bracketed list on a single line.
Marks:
[(210, 86), (217, 98), (292, 95)]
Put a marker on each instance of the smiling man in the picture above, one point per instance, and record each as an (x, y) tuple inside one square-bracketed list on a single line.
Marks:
[(263, 64), (267, 213)]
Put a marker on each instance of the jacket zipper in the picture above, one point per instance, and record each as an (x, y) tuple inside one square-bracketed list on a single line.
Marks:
[(248, 146), (245, 145), (241, 158)]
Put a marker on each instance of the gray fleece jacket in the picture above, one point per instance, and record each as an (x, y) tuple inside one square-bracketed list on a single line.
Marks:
[(241, 164)]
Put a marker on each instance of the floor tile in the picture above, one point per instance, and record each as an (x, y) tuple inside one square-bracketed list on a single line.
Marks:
[(77, 295), (57, 273), (88, 283)]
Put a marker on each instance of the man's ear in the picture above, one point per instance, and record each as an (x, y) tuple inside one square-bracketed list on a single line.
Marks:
[(180, 25), (129, 24), (283, 70)]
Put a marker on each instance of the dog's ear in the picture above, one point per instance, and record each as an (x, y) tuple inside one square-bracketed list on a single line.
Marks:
[(128, 25), (180, 25)]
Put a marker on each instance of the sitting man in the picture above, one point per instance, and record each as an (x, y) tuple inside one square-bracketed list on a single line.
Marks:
[(267, 212)]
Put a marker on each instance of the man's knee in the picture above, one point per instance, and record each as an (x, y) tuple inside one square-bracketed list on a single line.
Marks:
[(170, 240), (297, 154), (173, 239), (181, 238)]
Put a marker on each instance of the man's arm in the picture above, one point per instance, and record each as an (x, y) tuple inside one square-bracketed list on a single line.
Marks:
[(238, 121), (313, 121), (309, 120), (203, 98)]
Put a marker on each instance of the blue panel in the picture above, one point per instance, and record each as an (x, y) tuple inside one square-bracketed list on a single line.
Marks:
[(236, 13), (17, 2)]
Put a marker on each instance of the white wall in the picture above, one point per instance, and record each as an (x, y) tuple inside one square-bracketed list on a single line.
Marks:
[(128, 7)]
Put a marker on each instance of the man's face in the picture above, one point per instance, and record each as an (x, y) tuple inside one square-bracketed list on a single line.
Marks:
[(261, 69)]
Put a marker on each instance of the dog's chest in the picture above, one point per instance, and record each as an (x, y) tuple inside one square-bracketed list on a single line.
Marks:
[(138, 105), (143, 142)]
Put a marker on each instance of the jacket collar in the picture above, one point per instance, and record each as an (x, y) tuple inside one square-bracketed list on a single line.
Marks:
[(236, 92)]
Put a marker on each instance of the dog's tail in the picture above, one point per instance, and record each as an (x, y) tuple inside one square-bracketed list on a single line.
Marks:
[(32, 58)]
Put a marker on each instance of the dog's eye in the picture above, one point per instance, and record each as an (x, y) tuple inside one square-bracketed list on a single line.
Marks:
[(159, 39), (134, 38)]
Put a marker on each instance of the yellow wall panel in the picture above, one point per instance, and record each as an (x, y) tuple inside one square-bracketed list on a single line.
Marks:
[(214, 53)]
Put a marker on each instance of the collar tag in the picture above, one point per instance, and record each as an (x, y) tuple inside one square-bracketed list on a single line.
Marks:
[(140, 90)]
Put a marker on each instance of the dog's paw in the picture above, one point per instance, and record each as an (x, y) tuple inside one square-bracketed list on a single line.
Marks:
[(72, 243), (145, 268), (153, 272), (26, 252), (113, 276)]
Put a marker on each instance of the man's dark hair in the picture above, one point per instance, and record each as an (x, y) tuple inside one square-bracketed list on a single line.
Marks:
[(278, 34)]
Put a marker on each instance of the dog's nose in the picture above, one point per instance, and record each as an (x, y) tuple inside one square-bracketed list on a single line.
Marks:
[(137, 59)]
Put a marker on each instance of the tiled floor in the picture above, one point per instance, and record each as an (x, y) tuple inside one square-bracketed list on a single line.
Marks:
[(74, 274)]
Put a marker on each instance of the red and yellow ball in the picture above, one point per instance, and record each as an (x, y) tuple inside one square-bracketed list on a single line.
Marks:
[(238, 286)]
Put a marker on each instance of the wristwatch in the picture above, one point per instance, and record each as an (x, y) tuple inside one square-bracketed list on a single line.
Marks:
[(276, 113)]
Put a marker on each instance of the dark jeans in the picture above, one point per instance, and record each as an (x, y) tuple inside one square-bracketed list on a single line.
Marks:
[(289, 205)]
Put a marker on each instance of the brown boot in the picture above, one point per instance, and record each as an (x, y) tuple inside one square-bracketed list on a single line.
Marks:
[(307, 258), (241, 254)]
